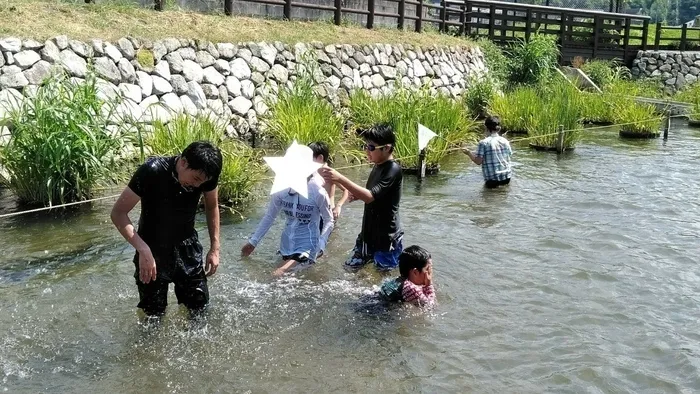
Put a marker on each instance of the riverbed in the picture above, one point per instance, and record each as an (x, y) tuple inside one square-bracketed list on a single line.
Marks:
[(581, 276)]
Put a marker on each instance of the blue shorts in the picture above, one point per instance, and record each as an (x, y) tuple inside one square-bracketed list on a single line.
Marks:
[(362, 254)]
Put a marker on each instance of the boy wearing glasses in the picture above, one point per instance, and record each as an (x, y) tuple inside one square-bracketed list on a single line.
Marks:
[(380, 239)]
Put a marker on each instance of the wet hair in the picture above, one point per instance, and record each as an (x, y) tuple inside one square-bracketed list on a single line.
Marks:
[(382, 134), (205, 157), (320, 149), (493, 123), (412, 257)]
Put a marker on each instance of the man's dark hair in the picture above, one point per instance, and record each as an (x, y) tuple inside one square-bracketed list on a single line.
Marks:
[(205, 157), (493, 123), (320, 148), (412, 257), (382, 134)]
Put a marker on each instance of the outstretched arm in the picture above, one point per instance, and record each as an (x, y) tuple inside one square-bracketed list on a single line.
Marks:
[(359, 192), (211, 205), (273, 209)]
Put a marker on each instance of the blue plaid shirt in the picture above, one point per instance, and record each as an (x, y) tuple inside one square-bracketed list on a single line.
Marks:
[(495, 151)]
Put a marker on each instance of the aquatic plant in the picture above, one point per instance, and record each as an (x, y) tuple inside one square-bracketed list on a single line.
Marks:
[(61, 143), (478, 95), (298, 112), (403, 109), (638, 118), (242, 167), (561, 108), (495, 59), (533, 61), (604, 72), (516, 108)]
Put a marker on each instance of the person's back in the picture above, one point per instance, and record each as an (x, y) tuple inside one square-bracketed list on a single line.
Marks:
[(496, 152), (493, 155)]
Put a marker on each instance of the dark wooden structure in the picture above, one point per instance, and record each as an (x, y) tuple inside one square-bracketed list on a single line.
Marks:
[(580, 33)]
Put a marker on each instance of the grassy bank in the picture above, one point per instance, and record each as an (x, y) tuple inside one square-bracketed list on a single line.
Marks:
[(111, 20)]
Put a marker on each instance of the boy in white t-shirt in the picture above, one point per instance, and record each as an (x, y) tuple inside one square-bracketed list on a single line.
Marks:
[(303, 239)]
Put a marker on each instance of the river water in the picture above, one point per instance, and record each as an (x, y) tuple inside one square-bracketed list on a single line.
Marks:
[(580, 277)]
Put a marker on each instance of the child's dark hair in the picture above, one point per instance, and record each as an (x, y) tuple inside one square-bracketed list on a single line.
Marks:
[(493, 123), (382, 134), (320, 148), (205, 157), (412, 257)]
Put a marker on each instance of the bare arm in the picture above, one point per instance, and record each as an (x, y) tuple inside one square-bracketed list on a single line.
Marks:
[(478, 160), (120, 217), (359, 192), (344, 198), (211, 206)]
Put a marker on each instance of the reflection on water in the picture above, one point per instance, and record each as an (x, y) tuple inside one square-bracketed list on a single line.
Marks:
[(579, 276)]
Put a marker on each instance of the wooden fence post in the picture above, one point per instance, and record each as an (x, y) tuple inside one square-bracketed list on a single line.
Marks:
[(443, 17), (228, 7), (645, 34), (668, 127), (596, 33), (370, 16), (419, 16), (560, 139), (288, 10), (657, 37), (158, 5), (338, 14), (626, 41), (684, 35), (402, 14), (528, 26), (421, 164)]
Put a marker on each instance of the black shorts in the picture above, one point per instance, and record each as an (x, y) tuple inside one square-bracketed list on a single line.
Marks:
[(181, 265), (491, 184), (298, 257)]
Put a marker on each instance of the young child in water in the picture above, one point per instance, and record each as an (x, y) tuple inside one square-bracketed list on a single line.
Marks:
[(304, 238), (415, 283)]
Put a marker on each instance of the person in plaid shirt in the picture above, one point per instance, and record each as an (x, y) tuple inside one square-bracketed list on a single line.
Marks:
[(493, 155)]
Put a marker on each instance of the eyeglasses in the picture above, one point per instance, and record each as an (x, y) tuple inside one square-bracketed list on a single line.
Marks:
[(371, 147)]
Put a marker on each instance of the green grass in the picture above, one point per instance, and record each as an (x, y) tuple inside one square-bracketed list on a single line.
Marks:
[(242, 166), (561, 106), (300, 113), (639, 118), (479, 94), (60, 146), (517, 108), (403, 110)]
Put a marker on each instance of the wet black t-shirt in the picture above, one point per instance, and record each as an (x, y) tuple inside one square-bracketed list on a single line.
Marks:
[(381, 224), (167, 209)]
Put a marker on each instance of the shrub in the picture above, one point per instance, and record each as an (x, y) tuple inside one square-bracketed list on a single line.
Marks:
[(61, 145), (604, 72), (495, 60), (533, 61), (478, 96), (242, 167), (403, 109)]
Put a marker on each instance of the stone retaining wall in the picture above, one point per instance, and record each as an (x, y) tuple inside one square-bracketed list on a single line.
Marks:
[(232, 81), (675, 69)]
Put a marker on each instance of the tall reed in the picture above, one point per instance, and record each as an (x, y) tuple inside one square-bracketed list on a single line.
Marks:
[(404, 109), (300, 113), (242, 166), (562, 107), (60, 145), (517, 108)]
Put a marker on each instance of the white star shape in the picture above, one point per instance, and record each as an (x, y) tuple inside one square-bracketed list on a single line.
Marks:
[(293, 169)]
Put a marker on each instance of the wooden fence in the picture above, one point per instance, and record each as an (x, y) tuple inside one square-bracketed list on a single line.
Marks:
[(584, 33)]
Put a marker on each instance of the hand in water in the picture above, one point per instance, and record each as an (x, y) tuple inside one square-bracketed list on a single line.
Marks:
[(336, 212), (278, 272), (212, 262), (247, 249), (147, 266)]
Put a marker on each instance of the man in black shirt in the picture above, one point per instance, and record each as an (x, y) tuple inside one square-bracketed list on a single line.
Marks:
[(379, 240), (167, 245)]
